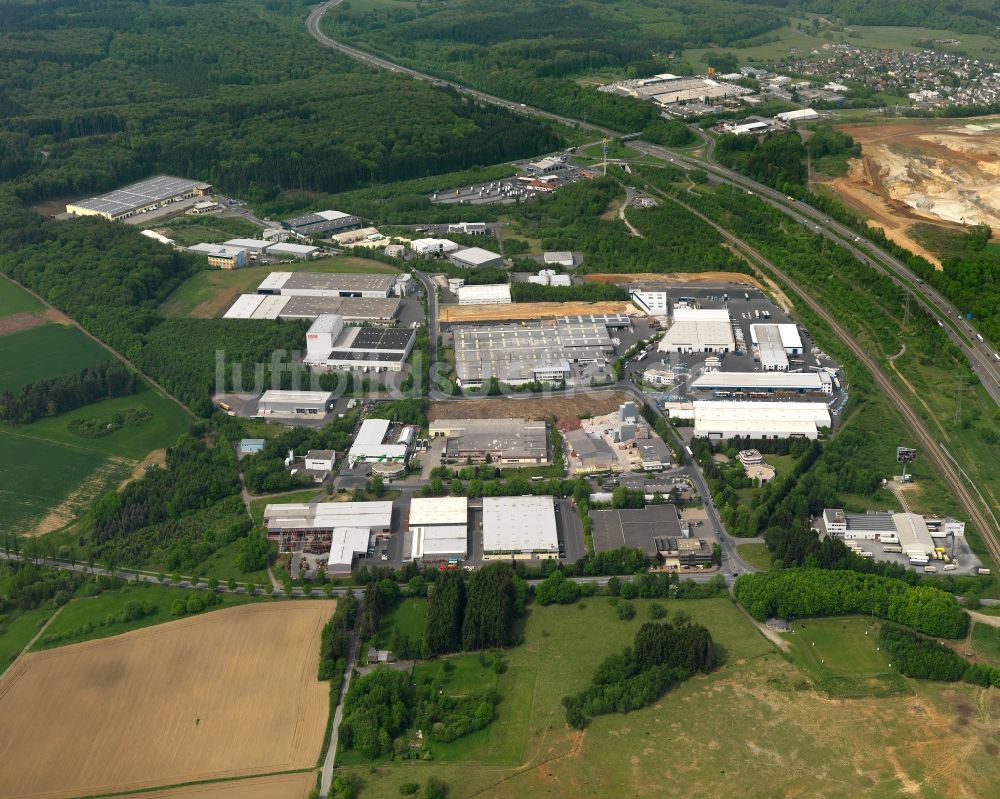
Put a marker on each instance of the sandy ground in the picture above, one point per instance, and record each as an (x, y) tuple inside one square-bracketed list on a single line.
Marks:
[(944, 172), (529, 310), (223, 694), (78, 500), (285, 786), (157, 457), (568, 408), (24, 321), (674, 278)]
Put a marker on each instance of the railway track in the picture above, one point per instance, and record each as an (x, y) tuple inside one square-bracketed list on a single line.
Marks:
[(931, 447)]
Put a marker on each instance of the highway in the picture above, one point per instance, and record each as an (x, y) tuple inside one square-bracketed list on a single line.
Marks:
[(980, 354)]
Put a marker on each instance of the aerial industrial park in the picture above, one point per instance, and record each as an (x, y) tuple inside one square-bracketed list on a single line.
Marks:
[(582, 400)]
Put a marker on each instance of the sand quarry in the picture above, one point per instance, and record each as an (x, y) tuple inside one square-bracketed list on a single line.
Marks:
[(944, 172), (224, 694)]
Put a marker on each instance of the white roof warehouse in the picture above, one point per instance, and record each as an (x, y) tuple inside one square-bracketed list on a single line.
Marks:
[(439, 527), (519, 528)]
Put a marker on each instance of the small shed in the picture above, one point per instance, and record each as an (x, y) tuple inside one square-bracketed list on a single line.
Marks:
[(248, 446), (780, 625)]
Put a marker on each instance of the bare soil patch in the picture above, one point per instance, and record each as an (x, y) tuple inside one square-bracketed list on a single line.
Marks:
[(225, 694), (528, 310), (19, 321), (74, 505), (567, 410), (157, 457), (676, 278)]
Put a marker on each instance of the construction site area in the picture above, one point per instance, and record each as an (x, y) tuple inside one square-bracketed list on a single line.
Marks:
[(942, 172)]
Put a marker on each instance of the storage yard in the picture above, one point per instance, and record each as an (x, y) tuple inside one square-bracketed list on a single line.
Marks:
[(194, 699)]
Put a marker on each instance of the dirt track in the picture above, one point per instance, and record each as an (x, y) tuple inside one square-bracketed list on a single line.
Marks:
[(223, 694), (285, 786)]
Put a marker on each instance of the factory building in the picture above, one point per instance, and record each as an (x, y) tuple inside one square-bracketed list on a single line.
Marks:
[(469, 228), (370, 445), (517, 528), (322, 284), (549, 277), (152, 234), (773, 343), (252, 246), (439, 527), (277, 404), (488, 294), (638, 528), (558, 258), (322, 222), (521, 353), (699, 330), (345, 527), (332, 345), (503, 442), (220, 256), (276, 306), (764, 382), (473, 257), (651, 300), (430, 247), (801, 115), (285, 250), (138, 198), (721, 419), (594, 454)]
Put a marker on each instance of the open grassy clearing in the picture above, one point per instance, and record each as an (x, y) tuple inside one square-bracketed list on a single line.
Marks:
[(755, 723), (210, 228), (843, 659), (225, 694), (14, 299), (209, 293), (19, 627), (757, 555), (408, 617), (45, 351), (985, 642), (71, 626)]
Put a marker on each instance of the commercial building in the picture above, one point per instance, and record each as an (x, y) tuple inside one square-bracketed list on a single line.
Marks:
[(484, 294), (322, 284), (320, 460), (558, 258), (332, 345), (430, 246), (473, 257), (312, 527), (250, 446), (660, 375), (252, 246), (521, 353), (504, 442), (283, 249), (322, 222), (641, 528), (764, 382), (547, 165), (593, 454), (152, 234), (276, 306), (916, 534), (277, 404), (220, 256), (469, 228), (773, 343), (439, 527), (137, 198), (685, 553), (801, 115), (699, 330), (651, 300), (549, 277), (519, 528), (721, 419), (369, 445)]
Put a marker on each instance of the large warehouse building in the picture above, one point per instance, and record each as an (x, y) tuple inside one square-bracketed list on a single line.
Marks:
[(764, 382), (519, 528), (138, 198), (517, 354), (369, 446), (284, 307), (721, 419), (593, 454), (322, 284), (473, 257), (773, 343), (641, 528), (322, 222), (699, 330), (484, 294), (277, 404), (312, 527), (504, 442), (439, 527), (330, 344)]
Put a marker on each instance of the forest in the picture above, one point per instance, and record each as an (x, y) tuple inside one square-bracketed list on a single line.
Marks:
[(662, 654), (802, 593), (924, 658), (58, 395)]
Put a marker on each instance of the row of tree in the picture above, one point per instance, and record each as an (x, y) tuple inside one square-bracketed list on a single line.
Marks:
[(336, 636), (926, 659), (800, 593), (57, 395), (662, 655)]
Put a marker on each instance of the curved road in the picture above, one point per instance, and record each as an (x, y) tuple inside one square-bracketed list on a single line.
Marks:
[(980, 355)]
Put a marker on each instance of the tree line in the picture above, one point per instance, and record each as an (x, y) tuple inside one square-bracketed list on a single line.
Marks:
[(57, 395), (916, 656), (799, 593), (662, 654), (336, 636)]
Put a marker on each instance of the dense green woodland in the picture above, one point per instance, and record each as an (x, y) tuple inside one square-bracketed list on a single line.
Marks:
[(57, 395), (95, 93)]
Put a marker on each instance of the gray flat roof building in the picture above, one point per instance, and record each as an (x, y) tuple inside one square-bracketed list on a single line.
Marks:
[(139, 197), (322, 222), (594, 454), (323, 284), (644, 528), (277, 306), (500, 441), (770, 349)]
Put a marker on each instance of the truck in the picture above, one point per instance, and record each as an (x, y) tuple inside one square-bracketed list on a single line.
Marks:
[(980, 337), (949, 567), (981, 570), (930, 569), (892, 549)]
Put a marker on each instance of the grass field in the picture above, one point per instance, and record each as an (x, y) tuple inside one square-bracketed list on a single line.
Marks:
[(223, 694), (69, 626), (842, 657), (210, 292), (14, 299), (45, 351), (754, 726), (985, 642), (209, 228), (19, 627), (34, 497), (409, 617), (757, 555)]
